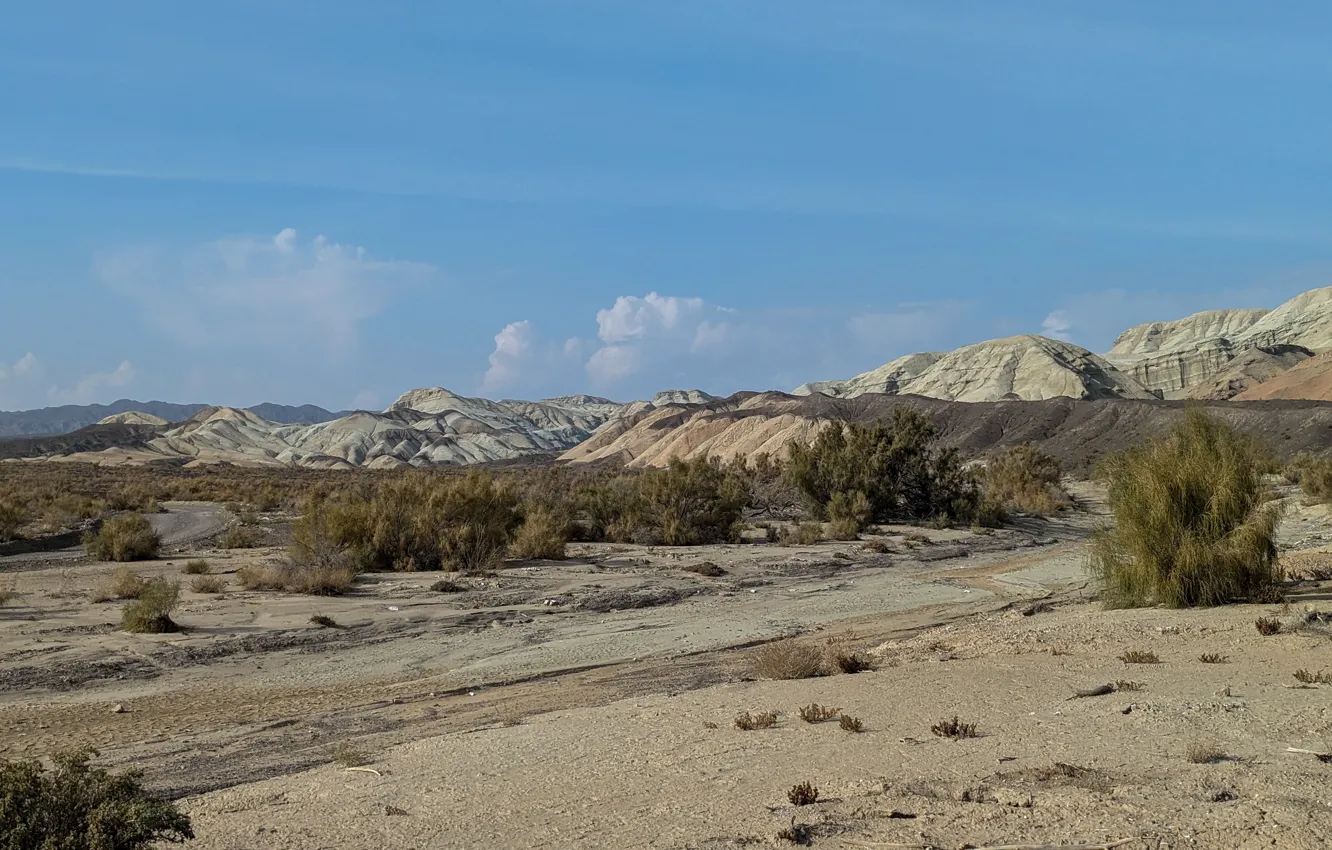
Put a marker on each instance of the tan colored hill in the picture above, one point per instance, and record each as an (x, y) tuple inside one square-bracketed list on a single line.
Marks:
[(1248, 370), (1024, 367), (1173, 357), (1311, 380), (133, 417)]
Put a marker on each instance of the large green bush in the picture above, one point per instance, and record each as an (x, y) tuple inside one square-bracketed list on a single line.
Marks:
[(127, 537), (687, 503), (1193, 522), (75, 806), (897, 468)]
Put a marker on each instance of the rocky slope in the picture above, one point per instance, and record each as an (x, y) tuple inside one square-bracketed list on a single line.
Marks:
[(66, 419), (1310, 380), (1024, 367)]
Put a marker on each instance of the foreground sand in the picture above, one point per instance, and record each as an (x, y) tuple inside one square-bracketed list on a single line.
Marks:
[(654, 772)]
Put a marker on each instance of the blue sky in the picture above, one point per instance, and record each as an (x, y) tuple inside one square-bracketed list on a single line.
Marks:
[(333, 203)]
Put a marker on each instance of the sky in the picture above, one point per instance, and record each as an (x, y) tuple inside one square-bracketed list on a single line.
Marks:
[(333, 203)]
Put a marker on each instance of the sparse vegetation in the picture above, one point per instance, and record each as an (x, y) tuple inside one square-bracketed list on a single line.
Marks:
[(75, 806), (815, 713), (12, 519), (881, 472), (787, 659), (1213, 658), (292, 577), (797, 833), (1139, 656), (128, 537), (238, 537), (150, 613), (1322, 677), (324, 622), (954, 729), (7, 595), (749, 722), (1127, 685), (126, 583), (802, 534), (197, 567), (208, 584), (848, 662), (448, 585), (1314, 475), (1193, 521), (804, 794), (1204, 751), (1026, 479), (706, 568), (1268, 626), (543, 534), (348, 755), (850, 724)]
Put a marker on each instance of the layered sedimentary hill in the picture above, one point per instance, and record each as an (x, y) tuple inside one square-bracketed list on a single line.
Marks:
[(1023, 367), (133, 417), (1311, 380)]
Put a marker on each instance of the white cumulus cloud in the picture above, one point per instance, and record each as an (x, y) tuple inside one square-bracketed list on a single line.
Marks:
[(1057, 325), (513, 345), (94, 387), (277, 291), (633, 317)]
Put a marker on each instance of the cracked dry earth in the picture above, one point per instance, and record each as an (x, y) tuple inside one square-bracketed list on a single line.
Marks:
[(590, 702)]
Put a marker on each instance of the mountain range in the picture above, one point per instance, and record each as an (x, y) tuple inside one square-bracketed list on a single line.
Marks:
[(1226, 357)]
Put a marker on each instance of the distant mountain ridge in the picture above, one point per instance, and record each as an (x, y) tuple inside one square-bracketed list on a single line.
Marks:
[(49, 421)]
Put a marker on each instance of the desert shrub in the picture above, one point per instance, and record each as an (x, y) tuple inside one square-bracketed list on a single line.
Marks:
[(238, 537), (1193, 521), (1127, 685), (897, 468), (331, 578), (127, 537), (12, 519), (324, 621), (804, 534), (208, 584), (1204, 751), (74, 806), (1139, 656), (815, 713), (544, 532), (151, 612), (804, 794), (348, 755), (448, 585), (749, 722), (848, 662), (706, 568), (1268, 626), (771, 493), (1024, 478), (955, 729), (688, 503), (849, 509), (843, 529), (415, 522), (850, 724), (7, 595), (125, 584), (197, 567), (1314, 475), (1213, 658), (786, 659)]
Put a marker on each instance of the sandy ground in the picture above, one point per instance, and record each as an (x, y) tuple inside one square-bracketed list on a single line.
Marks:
[(589, 702)]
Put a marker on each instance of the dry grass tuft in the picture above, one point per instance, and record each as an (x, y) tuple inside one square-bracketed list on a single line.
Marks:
[(1138, 656), (208, 584), (1194, 524), (786, 659), (804, 794), (1322, 677), (749, 722), (315, 579), (1126, 685), (197, 567), (955, 729), (150, 613), (348, 755), (805, 534), (850, 724), (324, 622), (849, 662), (1213, 658), (1267, 626), (815, 713), (797, 833), (707, 568), (1204, 751), (8, 594), (448, 585)]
